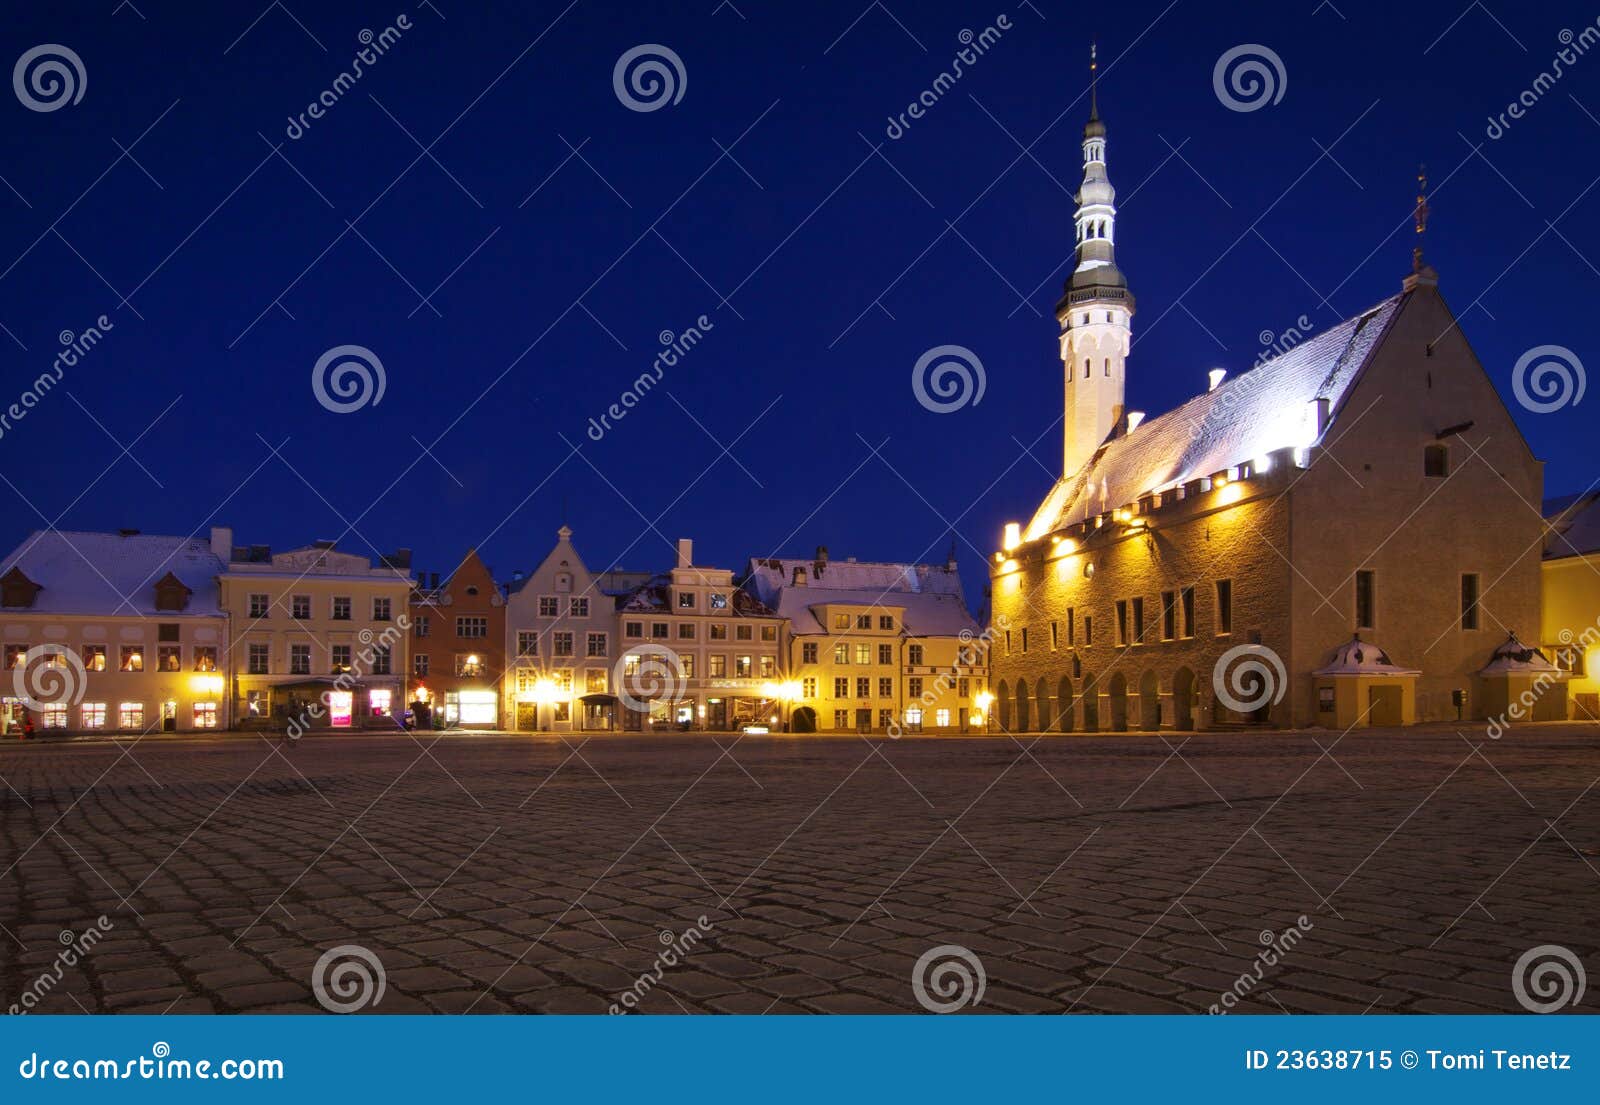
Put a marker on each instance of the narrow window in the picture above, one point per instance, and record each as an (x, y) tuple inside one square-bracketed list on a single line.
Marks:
[(1122, 621), (1366, 598), (1169, 615), (1072, 628), (1469, 601), (1224, 606), (1187, 598), (1138, 621), (1436, 461), (1055, 636)]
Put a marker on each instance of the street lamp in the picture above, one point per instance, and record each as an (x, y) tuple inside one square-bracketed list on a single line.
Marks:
[(983, 700)]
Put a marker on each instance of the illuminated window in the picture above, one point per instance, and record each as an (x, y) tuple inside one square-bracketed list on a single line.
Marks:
[(719, 667), (94, 715), (169, 658), (741, 667), (808, 687), (205, 715), (941, 718), (841, 621), (130, 715), (863, 654), (339, 655), (769, 666), (205, 658), (54, 716), (16, 653), (841, 654), (132, 658)]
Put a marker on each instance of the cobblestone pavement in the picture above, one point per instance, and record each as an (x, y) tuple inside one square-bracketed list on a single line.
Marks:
[(1092, 874)]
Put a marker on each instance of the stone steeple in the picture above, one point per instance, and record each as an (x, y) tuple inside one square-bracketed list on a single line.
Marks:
[(1096, 310)]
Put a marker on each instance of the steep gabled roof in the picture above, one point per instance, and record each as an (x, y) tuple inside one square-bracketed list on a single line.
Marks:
[(929, 595), (1251, 414), (1574, 525)]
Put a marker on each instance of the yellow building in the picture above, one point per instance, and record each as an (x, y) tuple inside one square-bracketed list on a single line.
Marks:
[(113, 632), (319, 636), (1570, 625), (873, 647)]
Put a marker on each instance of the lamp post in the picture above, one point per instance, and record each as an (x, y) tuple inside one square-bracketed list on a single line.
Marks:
[(984, 700)]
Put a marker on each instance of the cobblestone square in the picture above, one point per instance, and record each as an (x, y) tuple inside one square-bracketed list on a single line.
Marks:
[(1085, 874)]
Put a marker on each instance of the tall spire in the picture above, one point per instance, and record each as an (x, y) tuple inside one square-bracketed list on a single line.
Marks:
[(1095, 311)]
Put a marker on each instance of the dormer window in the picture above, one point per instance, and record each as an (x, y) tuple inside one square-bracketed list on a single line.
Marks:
[(16, 589)]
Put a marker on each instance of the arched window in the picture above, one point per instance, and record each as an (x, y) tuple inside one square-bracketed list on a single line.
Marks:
[(1108, 366)]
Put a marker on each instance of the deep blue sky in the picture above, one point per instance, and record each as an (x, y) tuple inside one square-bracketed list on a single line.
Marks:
[(801, 258)]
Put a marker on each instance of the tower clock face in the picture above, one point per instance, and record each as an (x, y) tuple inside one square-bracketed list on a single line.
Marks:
[(718, 601)]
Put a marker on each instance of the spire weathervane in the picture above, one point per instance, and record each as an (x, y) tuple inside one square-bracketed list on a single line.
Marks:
[(1094, 80), (1422, 213)]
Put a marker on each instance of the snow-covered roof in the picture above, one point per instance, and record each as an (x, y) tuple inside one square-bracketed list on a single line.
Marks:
[(112, 573), (1515, 658), (928, 594), (1246, 416), (1358, 657), (1574, 525)]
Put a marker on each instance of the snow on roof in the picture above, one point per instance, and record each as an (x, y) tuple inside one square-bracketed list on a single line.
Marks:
[(1574, 525), (928, 594), (1251, 414), (111, 574), (1515, 658), (1358, 657)]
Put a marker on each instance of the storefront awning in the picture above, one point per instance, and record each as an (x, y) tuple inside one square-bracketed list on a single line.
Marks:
[(599, 700)]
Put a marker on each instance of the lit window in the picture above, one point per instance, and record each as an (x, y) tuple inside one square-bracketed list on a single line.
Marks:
[(205, 658), (132, 658), (205, 715), (94, 657), (54, 716), (94, 715), (130, 715)]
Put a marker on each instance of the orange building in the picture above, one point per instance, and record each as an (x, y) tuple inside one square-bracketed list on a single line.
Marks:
[(458, 633)]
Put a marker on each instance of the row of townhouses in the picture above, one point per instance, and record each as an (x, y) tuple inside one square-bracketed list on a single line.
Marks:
[(138, 633)]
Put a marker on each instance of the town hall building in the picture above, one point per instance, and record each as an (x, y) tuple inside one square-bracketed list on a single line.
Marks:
[(1341, 536)]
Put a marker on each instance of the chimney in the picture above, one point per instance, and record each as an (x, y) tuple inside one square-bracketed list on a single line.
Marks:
[(1216, 378), (1319, 413), (1134, 418), (222, 543), (799, 579), (685, 552), (128, 532), (433, 581), (822, 560)]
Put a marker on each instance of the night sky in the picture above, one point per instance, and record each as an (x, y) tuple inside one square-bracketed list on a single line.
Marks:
[(756, 200)]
